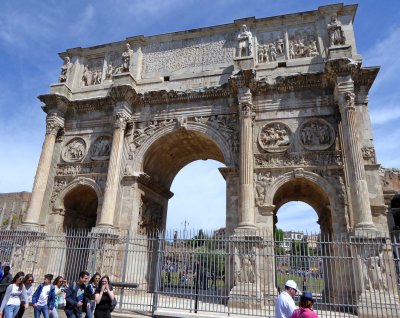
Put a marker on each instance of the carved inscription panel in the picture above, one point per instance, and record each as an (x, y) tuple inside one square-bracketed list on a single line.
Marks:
[(169, 57)]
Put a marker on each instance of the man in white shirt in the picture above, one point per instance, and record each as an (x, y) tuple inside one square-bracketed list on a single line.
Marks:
[(285, 305), (44, 297)]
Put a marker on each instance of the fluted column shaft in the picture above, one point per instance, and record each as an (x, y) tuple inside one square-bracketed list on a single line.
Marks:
[(53, 124), (246, 165), (113, 174), (358, 184)]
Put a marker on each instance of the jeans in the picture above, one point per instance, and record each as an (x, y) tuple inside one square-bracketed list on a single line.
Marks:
[(54, 313), (90, 310), (10, 311), (41, 309)]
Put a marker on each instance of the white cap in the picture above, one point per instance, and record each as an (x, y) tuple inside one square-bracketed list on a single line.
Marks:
[(292, 284)]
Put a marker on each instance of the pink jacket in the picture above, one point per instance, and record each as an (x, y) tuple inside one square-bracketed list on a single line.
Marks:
[(304, 313)]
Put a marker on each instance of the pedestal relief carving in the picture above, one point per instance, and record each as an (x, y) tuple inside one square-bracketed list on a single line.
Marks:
[(274, 137), (75, 150), (101, 148), (316, 134)]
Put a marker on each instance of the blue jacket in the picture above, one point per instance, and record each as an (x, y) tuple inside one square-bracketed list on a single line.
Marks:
[(50, 300), (72, 299)]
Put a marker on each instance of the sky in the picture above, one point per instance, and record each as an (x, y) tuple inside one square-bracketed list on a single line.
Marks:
[(32, 33)]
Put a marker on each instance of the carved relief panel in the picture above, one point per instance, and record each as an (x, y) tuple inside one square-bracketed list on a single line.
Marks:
[(101, 148), (93, 72), (316, 134), (150, 216), (302, 43), (274, 137), (74, 150), (271, 47)]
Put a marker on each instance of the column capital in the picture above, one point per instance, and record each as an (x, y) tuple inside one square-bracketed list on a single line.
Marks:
[(121, 120), (54, 123)]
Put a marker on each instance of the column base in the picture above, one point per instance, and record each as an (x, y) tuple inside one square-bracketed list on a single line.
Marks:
[(31, 228), (246, 295), (104, 231)]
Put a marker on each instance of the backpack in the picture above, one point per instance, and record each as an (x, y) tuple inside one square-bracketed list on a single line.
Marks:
[(113, 304)]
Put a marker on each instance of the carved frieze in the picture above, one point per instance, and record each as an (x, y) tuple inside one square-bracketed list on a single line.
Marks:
[(368, 154), (168, 57), (296, 159), (81, 168), (316, 134), (274, 137), (270, 47), (101, 148), (59, 185), (74, 150), (302, 43), (92, 72)]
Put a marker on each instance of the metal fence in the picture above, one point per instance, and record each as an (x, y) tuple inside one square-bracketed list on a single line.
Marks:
[(232, 274)]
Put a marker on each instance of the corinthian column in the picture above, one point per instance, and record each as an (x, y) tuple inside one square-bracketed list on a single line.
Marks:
[(113, 174), (355, 164), (246, 195), (53, 124)]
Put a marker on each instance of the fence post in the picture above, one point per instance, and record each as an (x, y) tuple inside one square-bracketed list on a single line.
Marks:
[(159, 241)]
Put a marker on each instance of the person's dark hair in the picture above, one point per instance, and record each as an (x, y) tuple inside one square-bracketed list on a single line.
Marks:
[(28, 277), (305, 303), (94, 277), (105, 277), (83, 274), (49, 276), (56, 281), (17, 275), (6, 268)]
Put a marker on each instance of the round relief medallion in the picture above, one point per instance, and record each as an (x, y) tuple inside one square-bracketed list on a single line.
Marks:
[(74, 151), (101, 148), (274, 137), (316, 134)]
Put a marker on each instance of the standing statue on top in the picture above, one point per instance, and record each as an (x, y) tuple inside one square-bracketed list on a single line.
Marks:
[(245, 39), (335, 31)]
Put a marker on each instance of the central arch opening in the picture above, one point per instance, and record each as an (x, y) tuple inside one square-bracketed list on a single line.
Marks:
[(80, 213), (190, 150)]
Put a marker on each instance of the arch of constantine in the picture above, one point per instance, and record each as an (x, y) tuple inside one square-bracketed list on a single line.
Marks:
[(282, 102)]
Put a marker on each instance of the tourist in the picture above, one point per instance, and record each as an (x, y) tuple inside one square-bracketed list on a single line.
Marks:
[(75, 298), (5, 281), (305, 307), (90, 293), (13, 296), (44, 297), (285, 305), (59, 293), (28, 283), (104, 297)]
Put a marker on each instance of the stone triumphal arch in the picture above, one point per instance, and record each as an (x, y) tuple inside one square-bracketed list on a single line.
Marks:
[(282, 102)]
